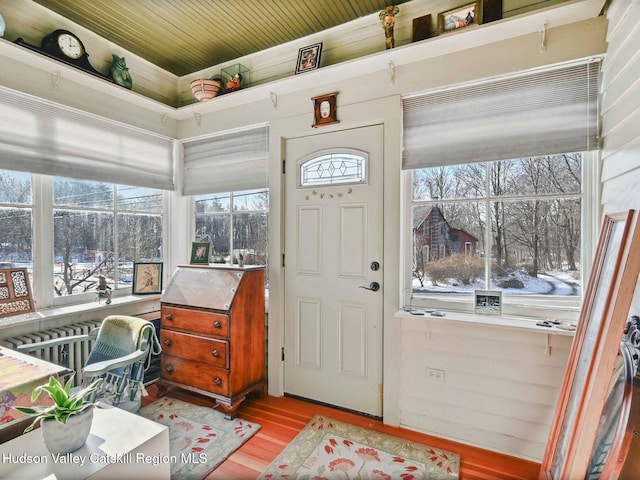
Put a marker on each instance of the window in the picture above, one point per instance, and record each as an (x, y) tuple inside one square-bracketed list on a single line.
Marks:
[(512, 225), (332, 168), (236, 224), (100, 229), (16, 212)]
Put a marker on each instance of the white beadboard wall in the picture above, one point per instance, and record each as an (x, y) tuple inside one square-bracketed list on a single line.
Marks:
[(621, 112), (500, 387)]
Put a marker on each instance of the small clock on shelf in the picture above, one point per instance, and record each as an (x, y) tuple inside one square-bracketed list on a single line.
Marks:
[(64, 46)]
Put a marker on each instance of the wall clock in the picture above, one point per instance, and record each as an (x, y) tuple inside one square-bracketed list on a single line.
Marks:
[(66, 47)]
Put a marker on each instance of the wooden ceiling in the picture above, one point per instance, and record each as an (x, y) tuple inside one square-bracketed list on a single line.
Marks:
[(185, 36)]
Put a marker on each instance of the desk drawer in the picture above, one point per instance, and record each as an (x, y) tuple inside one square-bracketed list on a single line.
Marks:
[(196, 374), (197, 321), (191, 347)]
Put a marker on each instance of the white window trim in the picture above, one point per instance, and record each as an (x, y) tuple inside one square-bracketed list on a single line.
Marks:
[(42, 248), (540, 306)]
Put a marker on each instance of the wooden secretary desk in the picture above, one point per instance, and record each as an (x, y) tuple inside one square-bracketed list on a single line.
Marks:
[(212, 331)]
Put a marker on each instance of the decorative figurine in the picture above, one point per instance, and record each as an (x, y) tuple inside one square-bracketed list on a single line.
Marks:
[(120, 73), (104, 290), (234, 82), (388, 19)]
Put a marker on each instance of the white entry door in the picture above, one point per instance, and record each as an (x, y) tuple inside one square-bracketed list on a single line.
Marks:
[(333, 264)]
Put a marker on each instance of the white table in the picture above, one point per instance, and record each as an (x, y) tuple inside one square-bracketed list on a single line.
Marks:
[(120, 445)]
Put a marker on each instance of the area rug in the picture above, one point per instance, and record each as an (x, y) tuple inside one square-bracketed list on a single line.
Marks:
[(331, 449), (200, 438)]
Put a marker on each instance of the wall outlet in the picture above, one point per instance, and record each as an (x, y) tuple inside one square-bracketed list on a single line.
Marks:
[(434, 375)]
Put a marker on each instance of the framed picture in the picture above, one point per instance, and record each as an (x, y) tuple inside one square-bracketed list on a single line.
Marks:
[(594, 351), (324, 109), (421, 28), (200, 253), (488, 302), (15, 292), (460, 17), (309, 58), (147, 278)]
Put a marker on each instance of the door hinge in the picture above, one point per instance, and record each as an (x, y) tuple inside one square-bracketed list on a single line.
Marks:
[(283, 260), (284, 167), (282, 353)]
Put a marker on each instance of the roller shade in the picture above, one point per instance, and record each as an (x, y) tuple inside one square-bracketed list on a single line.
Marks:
[(537, 113), (229, 162), (39, 136)]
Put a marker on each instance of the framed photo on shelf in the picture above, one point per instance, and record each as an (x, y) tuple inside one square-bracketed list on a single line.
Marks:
[(309, 58), (147, 278), (324, 109), (488, 302), (460, 17), (200, 253)]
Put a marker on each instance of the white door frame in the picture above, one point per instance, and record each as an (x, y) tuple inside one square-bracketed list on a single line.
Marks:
[(386, 111)]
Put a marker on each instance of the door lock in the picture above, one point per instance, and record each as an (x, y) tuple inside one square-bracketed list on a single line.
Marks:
[(375, 266), (373, 286)]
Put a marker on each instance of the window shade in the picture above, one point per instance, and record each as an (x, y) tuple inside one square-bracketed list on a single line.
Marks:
[(39, 136), (541, 113), (227, 163)]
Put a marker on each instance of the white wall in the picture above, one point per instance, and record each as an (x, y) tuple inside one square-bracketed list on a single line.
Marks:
[(497, 386), (621, 112)]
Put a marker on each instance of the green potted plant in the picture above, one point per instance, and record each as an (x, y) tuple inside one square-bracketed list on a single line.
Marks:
[(65, 424)]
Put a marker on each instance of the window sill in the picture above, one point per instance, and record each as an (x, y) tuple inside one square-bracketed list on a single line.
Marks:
[(490, 320), (534, 311), (64, 312)]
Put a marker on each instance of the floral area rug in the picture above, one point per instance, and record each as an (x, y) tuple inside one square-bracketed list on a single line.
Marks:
[(330, 449), (200, 438)]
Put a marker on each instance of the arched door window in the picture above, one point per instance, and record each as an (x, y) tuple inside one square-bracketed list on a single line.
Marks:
[(333, 167)]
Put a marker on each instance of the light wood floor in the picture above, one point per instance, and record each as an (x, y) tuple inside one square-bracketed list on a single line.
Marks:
[(282, 418)]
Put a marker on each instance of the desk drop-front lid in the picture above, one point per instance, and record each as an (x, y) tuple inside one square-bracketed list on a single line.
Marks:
[(204, 286)]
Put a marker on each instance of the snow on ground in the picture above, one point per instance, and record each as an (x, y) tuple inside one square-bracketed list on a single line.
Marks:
[(548, 283)]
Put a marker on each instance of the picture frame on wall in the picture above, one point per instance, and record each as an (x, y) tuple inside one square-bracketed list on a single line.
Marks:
[(147, 278), (460, 17), (325, 109), (200, 253), (488, 302), (309, 58)]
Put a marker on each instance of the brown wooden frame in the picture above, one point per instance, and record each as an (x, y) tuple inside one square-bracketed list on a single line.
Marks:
[(595, 348), (477, 19), (322, 117)]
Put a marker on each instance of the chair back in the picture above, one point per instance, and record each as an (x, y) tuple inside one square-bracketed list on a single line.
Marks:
[(119, 336)]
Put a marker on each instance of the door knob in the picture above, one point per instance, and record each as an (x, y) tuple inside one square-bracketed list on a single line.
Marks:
[(373, 286)]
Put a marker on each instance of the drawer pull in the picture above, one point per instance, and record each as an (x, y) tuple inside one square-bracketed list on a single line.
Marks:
[(169, 368), (167, 342), (217, 380), (169, 316), (215, 353), (217, 324)]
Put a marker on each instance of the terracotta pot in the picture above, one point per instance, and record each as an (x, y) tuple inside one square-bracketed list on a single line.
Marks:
[(204, 89), (67, 437)]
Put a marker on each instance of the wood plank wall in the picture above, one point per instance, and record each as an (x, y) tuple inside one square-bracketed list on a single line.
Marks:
[(621, 109), (500, 386)]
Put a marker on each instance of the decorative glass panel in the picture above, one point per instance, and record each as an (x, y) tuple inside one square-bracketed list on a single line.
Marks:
[(334, 168)]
